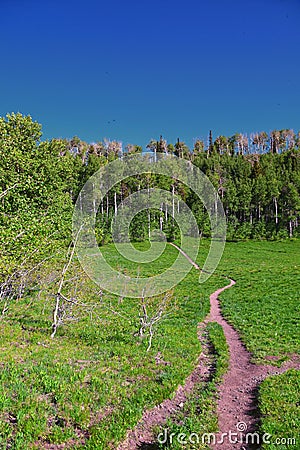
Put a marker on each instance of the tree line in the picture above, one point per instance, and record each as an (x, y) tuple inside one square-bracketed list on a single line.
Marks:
[(257, 179)]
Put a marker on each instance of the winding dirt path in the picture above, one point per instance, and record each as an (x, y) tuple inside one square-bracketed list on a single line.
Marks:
[(237, 402), (237, 395)]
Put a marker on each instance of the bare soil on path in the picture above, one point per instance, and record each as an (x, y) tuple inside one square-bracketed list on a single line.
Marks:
[(237, 394)]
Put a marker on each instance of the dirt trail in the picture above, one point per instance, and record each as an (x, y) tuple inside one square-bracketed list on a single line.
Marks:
[(237, 394), (237, 404)]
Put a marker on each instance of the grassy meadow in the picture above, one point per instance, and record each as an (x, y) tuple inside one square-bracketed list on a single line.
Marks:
[(264, 306), (91, 383)]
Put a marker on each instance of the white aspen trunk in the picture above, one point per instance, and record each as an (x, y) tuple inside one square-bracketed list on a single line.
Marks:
[(173, 201), (290, 228), (94, 201), (149, 215), (115, 201), (178, 206), (56, 318), (80, 202), (166, 213), (102, 212), (107, 205), (161, 221), (276, 210)]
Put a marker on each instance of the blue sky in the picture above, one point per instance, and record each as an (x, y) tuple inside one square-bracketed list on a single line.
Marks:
[(132, 70)]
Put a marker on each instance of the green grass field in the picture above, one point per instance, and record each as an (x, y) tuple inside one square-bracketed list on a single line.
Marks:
[(93, 381), (95, 377), (264, 306)]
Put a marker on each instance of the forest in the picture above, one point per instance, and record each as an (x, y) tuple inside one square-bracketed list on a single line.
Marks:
[(256, 177)]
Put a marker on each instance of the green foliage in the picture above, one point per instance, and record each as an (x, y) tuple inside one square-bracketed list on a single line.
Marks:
[(279, 398), (260, 192), (220, 348)]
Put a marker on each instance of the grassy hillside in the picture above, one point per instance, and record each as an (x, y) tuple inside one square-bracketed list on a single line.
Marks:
[(92, 382), (264, 304)]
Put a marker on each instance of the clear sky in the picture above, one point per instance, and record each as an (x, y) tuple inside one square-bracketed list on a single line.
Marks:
[(132, 70)]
